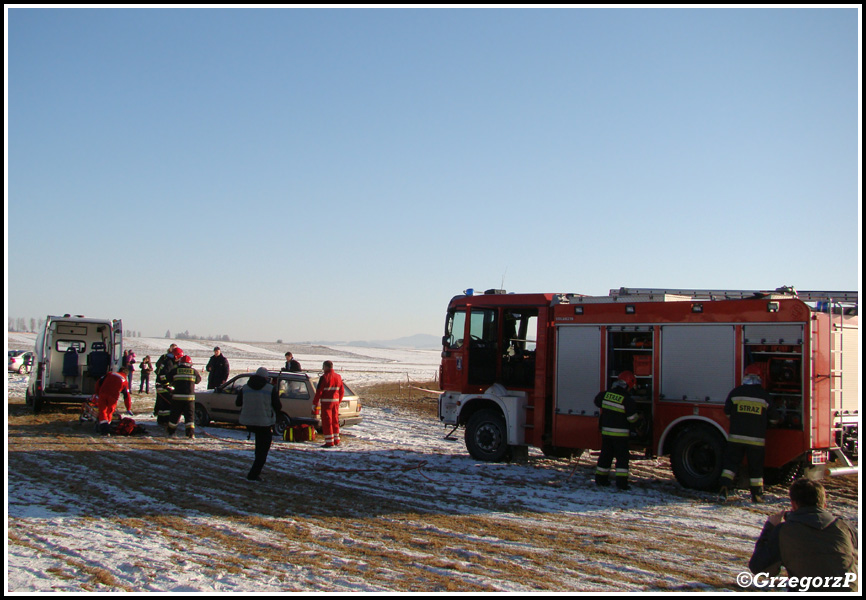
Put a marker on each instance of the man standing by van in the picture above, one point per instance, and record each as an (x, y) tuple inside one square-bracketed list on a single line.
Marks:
[(329, 392)]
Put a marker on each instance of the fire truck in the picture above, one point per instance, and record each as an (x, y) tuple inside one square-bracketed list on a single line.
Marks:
[(521, 370)]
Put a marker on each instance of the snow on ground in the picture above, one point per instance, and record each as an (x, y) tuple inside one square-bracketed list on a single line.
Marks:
[(397, 508)]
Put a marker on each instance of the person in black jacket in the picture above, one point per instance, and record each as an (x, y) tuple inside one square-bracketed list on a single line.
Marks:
[(749, 407), (260, 404), (291, 364), (217, 368), (164, 365), (183, 379), (618, 413)]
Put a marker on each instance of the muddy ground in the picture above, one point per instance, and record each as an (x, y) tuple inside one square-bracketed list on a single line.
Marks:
[(384, 513)]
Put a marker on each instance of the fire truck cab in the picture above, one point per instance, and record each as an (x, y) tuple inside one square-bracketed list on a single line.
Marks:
[(522, 370)]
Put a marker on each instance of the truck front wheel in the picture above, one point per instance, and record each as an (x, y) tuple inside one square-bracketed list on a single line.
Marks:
[(697, 458), (486, 436)]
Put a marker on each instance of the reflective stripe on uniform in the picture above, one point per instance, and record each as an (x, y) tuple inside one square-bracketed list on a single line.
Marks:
[(745, 439), (614, 407), (613, 432)]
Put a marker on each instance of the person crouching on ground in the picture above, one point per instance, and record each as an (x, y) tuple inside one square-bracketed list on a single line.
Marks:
[(260, 404), (108, 390), (809, 541)]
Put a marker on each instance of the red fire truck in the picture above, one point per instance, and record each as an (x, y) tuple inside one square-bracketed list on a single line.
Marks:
[(522, 370)]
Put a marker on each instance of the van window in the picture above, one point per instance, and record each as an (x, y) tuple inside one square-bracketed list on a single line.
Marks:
[(294, 389), (64, 345)]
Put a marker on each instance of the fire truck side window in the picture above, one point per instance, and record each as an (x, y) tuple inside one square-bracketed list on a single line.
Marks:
[(483, 346), (519, 332), (454, 328)]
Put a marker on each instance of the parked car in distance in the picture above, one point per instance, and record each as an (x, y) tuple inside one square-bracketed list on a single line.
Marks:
[(296, 397), (20, 361)]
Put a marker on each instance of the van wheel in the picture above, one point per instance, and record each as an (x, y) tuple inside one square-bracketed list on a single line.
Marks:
[(283, 423), (697, 458), (202, 418), (486, 436)]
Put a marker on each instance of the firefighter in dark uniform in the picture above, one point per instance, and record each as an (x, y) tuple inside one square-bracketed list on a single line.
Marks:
[(183, 379), (749, 407), (618, 413), (165, 364)]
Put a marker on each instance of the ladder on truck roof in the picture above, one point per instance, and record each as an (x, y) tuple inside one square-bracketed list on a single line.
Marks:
[(807, 296)]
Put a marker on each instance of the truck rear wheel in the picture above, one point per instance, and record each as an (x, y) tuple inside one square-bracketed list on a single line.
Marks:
[(697, 458), (486, 436)]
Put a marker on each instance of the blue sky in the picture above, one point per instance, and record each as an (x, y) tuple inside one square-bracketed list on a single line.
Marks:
[(311, 174)]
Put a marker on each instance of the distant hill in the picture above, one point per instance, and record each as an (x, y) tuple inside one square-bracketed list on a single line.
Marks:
[(419, 341)]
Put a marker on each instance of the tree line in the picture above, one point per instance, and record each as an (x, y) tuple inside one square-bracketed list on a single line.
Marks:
[(186, 335)]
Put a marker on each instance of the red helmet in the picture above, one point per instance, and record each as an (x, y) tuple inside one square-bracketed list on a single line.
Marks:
[(753, 369), (629, 378), (186, 359), (177, 353)]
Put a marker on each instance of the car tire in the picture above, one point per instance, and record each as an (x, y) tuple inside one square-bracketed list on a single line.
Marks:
[(283, 423), (697, 458), (202, 418), (486, 436)]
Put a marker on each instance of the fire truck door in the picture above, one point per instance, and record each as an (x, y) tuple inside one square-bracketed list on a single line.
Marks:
[(578, 367), (697, 362)]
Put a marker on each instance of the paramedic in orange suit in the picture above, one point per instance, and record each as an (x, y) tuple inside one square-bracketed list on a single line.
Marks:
[(329, 392), (108, 391)]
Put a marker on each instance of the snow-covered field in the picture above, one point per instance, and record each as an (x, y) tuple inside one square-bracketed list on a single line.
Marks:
[(397, 508)]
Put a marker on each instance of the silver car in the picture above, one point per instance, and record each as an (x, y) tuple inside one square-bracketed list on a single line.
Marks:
[(20, 361), (296, 397)]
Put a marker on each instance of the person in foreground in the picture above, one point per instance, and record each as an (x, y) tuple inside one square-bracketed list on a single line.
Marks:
[(809, 541), (260, 404)]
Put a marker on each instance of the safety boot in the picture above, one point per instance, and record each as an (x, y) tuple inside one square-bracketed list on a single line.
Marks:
[(622, 483), (190, 433), (170, 431), (602, 480), (723, 493), (758, 495)]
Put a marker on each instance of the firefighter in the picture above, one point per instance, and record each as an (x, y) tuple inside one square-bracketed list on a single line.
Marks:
[(749, 408), (164, 365), (108, 390), (183, 379), (618, 412), (330, 392)]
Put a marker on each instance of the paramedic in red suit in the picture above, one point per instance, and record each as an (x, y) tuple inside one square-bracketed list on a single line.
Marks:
[(330, 392), (108, 391)]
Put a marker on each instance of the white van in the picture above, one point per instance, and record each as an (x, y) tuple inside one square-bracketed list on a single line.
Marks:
[(71, 354)]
